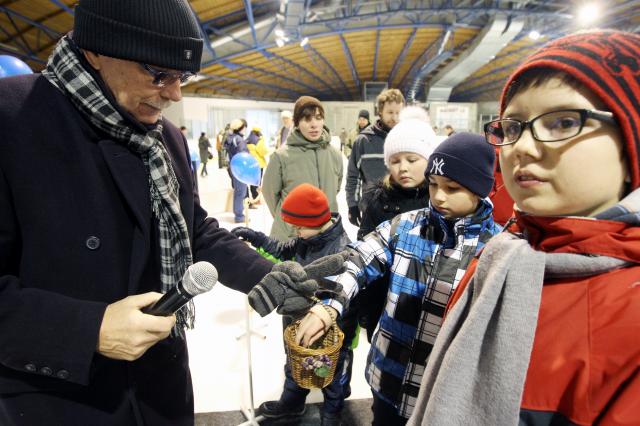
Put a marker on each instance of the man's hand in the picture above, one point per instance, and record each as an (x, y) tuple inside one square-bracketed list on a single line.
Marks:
[(315, 324), (354, 215), (126, 333)]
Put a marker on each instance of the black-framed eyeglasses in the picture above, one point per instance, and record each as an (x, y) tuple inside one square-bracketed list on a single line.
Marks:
[(552, 126), (163, 78)]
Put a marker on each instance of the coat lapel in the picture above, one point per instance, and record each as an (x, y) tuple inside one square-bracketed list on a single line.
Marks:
[(131, 179)]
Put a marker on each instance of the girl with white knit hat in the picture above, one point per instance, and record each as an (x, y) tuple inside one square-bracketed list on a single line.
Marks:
[(403, 189)]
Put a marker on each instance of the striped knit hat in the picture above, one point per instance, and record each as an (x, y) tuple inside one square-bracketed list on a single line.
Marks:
[(608, 64), (306, 206)]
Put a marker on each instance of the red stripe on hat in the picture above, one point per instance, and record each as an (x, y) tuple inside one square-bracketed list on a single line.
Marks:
[(571, 55)]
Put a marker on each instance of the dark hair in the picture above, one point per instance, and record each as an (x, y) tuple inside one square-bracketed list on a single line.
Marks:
[(310, 111), (536, 77)]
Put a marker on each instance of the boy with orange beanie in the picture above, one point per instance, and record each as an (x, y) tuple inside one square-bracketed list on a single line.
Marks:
[(319, 233)]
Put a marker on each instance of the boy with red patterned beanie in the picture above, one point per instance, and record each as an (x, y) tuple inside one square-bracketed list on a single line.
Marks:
[(543, 328)]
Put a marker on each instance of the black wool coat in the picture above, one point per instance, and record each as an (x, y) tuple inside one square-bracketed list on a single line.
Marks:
[(76, 234)]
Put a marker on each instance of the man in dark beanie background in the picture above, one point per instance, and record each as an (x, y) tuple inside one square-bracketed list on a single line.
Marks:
[(362, 123), (106, 221)]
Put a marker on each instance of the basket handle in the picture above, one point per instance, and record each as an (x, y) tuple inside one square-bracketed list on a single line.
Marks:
[(333, 319)]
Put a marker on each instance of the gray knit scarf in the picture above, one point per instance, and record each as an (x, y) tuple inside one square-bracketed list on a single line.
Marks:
[(480, 359), (66, 71)]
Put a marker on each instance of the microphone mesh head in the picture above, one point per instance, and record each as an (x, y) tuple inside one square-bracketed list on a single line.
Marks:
[(199, 278)]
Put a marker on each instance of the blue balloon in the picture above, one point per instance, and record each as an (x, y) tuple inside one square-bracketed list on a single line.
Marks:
[(245, 168), (12, 66)]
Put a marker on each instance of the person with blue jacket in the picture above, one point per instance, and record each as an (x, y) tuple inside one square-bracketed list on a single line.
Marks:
[(425, 253), (235, 144)]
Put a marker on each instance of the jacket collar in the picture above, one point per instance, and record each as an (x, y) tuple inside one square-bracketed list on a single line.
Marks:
[(441, 229), (580, 235), (296, 139), (330, 234), (614, 232)]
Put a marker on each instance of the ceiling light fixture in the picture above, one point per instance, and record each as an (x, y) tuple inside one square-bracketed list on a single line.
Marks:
[(588, 13)]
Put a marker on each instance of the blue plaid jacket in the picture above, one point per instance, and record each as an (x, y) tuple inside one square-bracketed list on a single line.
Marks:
[(424, 256)]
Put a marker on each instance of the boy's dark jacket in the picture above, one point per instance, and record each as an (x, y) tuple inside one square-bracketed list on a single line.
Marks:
[(304, 251)]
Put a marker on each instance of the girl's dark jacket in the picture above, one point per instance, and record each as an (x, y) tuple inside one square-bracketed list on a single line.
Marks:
[(385, 201), (77, 234)]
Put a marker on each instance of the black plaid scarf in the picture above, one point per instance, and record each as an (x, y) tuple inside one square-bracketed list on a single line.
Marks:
[(66, 71)]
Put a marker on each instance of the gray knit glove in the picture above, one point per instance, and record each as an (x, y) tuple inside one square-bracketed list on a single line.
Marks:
[(290, 287), (285, 287), (327, 266)]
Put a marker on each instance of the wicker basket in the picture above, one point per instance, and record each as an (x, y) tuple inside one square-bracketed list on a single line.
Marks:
[(315, 366)]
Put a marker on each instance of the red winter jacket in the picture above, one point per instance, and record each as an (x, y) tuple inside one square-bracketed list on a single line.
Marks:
[(585, 362)]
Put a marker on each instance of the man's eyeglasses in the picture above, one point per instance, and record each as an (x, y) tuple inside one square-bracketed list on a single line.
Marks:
[(163, 78), (552, 126)]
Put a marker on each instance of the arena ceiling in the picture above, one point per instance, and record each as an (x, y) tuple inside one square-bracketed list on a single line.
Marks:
[(332, 49)]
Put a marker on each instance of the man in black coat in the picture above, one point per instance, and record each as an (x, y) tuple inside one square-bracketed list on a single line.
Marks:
[(105, 220)]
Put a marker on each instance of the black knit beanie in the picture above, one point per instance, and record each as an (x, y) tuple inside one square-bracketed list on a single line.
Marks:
[(364, 114), (466, 158), (163, 33)]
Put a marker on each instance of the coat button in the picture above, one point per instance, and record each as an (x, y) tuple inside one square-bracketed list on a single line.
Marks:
[(62, 374), (397, 208), (385, 207), (30, 367), (93, 243), (46, 371)]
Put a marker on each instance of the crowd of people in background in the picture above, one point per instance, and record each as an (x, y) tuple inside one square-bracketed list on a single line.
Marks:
[(528, 317)]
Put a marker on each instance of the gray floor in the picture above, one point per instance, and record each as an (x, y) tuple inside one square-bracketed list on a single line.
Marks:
[(357, 412)]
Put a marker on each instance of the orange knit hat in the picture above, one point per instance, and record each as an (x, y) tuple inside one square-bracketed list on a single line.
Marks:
[(306, 206)]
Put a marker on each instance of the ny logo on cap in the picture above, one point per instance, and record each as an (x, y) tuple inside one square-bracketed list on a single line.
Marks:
[(188, 54), (436, 167)]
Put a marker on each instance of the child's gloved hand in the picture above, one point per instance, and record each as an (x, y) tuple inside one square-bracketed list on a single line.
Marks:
[(285, 287), (290, 286), (332, 264), (256, 238)]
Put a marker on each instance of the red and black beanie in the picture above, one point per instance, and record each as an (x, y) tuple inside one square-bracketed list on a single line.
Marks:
[(608, 64), (306, 206)]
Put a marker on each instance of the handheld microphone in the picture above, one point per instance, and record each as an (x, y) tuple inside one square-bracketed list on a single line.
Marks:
[(198, 278)]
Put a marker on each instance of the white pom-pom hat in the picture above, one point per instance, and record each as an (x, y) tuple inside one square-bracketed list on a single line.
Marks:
[(410, 135)]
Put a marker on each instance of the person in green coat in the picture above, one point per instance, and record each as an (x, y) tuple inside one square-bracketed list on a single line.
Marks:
[(307, 157)]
